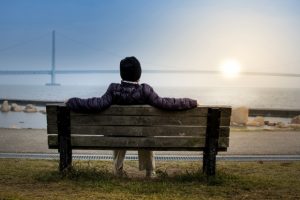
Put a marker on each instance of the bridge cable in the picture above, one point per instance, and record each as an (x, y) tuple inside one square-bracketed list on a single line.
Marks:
[(23, 43)]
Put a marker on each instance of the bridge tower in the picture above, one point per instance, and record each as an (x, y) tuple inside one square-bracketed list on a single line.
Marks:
[(53, 72)]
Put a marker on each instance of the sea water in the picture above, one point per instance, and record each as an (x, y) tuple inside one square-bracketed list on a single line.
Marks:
[(279, 98)]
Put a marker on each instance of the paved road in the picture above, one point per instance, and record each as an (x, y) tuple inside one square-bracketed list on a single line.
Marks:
[(241, 143)]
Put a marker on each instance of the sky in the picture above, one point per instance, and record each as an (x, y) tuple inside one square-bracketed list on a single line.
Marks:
[(262, 35)]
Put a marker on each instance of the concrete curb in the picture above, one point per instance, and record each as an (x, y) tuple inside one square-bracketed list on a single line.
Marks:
[(55, 156)]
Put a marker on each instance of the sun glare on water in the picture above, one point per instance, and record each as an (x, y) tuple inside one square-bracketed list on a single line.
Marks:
[(230, 68)]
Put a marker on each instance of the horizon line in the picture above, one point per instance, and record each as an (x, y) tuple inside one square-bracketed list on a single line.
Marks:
[(155, 71)]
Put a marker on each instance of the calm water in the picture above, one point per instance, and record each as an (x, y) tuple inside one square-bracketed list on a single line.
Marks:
[(250, 97)]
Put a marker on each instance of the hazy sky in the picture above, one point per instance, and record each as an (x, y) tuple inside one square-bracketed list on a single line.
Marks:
[(262, 35)]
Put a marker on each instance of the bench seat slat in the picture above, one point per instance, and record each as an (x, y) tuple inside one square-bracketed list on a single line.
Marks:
[(102, 142), (139, 130)]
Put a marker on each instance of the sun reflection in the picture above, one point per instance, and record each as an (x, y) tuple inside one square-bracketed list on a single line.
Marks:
[(230, 68)]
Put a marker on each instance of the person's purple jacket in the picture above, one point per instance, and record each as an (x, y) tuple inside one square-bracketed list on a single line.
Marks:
[(129, 94)]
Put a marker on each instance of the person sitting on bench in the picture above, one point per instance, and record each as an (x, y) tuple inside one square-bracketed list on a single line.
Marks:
[(130, 92)]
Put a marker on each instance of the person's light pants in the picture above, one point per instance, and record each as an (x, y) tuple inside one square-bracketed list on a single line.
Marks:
[(146, 160)]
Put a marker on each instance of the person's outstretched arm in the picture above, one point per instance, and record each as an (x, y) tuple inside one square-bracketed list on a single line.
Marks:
[(167, 103), (94, 104)]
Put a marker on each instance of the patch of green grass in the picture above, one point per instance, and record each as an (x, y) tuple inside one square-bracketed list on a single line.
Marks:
[(40, 179)]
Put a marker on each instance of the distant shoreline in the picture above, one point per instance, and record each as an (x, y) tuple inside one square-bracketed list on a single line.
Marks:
[(266, 112), (30, 101)]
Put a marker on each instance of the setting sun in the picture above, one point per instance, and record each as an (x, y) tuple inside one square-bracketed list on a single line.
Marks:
[(230, 68)]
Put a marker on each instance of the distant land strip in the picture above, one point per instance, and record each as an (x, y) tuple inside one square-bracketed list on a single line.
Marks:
[(266, 112), (108, 71)]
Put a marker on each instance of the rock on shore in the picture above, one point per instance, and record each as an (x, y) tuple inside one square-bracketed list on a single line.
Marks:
[(30, 108), (257, 121), (16, 108), (5, 107), (239, 116), (296, 120)]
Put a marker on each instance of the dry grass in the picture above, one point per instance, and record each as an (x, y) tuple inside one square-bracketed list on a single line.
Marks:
[(39, 179)]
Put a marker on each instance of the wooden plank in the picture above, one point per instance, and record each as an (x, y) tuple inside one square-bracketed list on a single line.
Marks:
[(102, 142), (212, 139), (65, 148), (140, 130), (89, 120), (52, 129), (97, 119), (146, 110), (139, 110), (51, 114), (225, 121), (225, 112)]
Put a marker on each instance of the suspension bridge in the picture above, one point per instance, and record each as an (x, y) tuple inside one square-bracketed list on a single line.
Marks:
[(54, 71)]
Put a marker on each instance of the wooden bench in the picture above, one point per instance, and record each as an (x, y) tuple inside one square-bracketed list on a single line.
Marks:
[(140, 127)]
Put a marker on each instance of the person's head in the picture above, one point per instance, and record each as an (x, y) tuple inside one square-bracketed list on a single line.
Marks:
[(130, 69)]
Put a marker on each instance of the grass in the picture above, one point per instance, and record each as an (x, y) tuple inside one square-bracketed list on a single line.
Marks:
[(39, 179)]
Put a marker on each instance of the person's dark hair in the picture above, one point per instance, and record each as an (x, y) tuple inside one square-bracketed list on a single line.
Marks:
[(130, 69)]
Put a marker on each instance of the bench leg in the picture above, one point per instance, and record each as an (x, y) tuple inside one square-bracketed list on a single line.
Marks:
[(65, 154), (209, 162), (64, 139), (211, 144)]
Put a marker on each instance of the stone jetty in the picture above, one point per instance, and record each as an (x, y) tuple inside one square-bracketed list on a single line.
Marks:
[(240, 118), (14, 107)]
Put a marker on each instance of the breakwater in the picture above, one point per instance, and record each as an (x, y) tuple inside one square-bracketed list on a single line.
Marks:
[(28, 101), (266, 112)]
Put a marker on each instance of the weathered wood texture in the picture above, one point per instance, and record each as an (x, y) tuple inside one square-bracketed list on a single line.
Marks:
[(141, 110), (140, 130), (137, 111), (102, 142), (140, 127), (212, 142), (64, 138), (128, 123), (93, 119)]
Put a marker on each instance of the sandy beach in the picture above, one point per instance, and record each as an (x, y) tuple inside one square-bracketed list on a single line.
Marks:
[(241, 143)]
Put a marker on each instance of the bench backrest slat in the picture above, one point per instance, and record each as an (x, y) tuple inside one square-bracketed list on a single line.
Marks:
[(98, 120), (134, 131), (142, 110)]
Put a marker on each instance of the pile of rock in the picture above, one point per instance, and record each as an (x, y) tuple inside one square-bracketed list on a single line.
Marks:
[(240, 117), (29, 108)]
